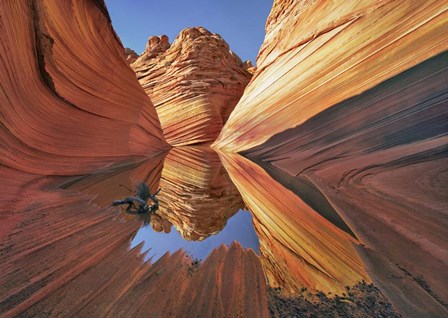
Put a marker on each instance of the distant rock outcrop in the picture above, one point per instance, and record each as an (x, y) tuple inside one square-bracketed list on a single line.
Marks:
[(194, 83), (247, 65), (131, 56)]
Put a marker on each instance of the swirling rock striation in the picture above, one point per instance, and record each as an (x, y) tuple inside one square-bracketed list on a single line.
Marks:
[(380, 159), (319, 53), (70, 105), (351, 101), (62, 255), (69, 102), (299, 247), (194, 83)]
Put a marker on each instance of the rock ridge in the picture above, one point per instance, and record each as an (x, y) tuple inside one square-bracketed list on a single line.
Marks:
[(194, 83)]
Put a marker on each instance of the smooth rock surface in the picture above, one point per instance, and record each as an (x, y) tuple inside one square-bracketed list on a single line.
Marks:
[(380, 159), (319, 53), (69, 101), (351, 101)]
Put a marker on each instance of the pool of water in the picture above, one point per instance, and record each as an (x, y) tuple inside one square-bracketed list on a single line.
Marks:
[(238, 228), (199, 206)]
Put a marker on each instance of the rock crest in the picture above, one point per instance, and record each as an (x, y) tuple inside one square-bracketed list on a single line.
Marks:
[(194, 83)]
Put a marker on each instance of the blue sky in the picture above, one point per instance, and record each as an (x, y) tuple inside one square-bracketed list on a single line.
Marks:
[(240, 22), (239, 228)]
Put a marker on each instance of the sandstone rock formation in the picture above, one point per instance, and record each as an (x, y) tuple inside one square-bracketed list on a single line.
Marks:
[(317, 54), (249, 67), (194, 83), (351, 100), (338, 146), (69, 102), (131, 56), (70, 105), (61, 256)]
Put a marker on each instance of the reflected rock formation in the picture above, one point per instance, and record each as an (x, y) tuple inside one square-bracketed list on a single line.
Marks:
[(194, 84), (70, 103), (338, 147), (64, 253), (197, 195), (299, 247), (350, 102), (118, 182)]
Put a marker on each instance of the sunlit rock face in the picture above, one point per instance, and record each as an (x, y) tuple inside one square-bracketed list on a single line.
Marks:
[(69, 101), (69, 105), (338, 146), (319, 53), (383, 168), (351, 101), (194, 83)]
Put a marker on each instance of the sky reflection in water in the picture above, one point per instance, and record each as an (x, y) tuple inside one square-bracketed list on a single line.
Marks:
[(239, 228)]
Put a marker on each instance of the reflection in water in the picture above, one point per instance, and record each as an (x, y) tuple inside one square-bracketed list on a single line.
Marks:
[(239, 228), (303, 242), (198, 201), (119, 182), (197, 194), (299, 245), (197, 197)]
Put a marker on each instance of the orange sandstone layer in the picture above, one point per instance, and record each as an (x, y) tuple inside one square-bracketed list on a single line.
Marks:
[(319, 53), (62, 255), (350, 101), (381, 160), (69, 102), (194, 83), (299, 247)]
